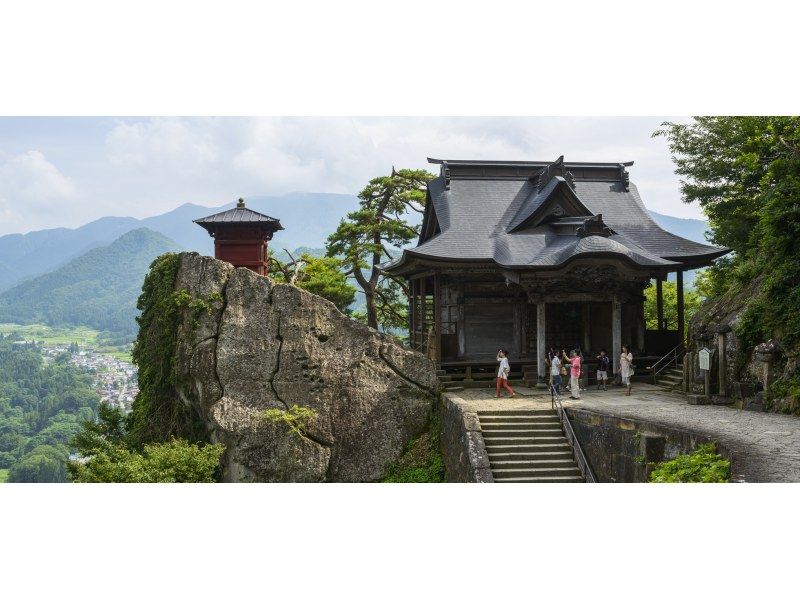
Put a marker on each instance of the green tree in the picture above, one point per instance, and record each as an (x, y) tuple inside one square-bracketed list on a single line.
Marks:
[(44, 464), (323, 276), (745, 173), (363, 240), (109, 454), (691, 302), (174, 461)]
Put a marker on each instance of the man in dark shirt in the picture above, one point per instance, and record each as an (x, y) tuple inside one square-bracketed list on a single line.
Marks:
[(602, 370)]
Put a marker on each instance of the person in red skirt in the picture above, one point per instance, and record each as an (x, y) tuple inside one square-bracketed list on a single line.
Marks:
[(502, 374)]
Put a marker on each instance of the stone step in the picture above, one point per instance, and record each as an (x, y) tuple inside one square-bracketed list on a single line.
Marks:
[(527, 448), (522, 434), (537, 473), (492, 441), (453, 388), (512, 455), (533, 464), (443, 378), (441, 372), (531, 426), (541, 480), (517, 412), (517, 419)]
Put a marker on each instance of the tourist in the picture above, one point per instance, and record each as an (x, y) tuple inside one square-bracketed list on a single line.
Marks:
[(575, 374), (602, 370), (555, 374), (502, 374), (626, 367)]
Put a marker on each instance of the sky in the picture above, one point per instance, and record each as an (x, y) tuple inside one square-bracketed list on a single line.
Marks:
[(67, 171)]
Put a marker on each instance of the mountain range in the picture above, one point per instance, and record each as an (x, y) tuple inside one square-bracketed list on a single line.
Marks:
[(97, 289), (92, 274), (23, 256)]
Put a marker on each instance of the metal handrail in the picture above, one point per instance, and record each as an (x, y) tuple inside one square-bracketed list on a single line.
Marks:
[(566, 425), (672, 356)]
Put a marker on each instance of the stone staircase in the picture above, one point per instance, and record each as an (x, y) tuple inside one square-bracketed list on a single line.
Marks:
[(670, 378), (448, 383), (527, 446)]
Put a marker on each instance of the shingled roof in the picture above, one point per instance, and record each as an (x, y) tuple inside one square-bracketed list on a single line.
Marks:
[(522, 215), (239, 215)]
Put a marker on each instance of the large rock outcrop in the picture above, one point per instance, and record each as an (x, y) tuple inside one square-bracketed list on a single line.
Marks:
[(246, 345)]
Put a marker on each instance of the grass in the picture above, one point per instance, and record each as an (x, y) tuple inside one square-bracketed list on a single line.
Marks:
[(49, 336), (3, 475)]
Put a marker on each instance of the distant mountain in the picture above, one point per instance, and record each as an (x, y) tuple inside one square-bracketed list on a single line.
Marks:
[(307, 217), (688, 228), (24, 256), (97, 289)]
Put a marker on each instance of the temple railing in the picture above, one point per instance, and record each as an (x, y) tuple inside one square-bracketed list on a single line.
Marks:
[(566, 425)]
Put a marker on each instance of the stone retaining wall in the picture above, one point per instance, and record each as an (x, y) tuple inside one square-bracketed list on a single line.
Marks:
[(620, 449), (463, 451)]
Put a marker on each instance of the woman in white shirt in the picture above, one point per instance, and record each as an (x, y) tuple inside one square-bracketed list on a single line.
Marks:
[(625, 368), (502, 374)]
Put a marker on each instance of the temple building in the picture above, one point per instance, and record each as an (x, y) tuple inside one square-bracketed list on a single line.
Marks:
[(241, 236), (529, 255)]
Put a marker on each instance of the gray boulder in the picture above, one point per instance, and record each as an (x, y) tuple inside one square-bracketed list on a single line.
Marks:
[(248, 345)]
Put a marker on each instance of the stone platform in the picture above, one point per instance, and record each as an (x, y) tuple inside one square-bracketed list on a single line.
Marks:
[(765, 447)]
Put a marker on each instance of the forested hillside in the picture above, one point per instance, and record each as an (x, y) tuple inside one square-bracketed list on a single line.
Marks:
[(98, 289), (41, 409)]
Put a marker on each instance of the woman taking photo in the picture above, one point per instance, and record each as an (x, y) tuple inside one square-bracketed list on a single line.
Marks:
[(502, 374), (626, 367)]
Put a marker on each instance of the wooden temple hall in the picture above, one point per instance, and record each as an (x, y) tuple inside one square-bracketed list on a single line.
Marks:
[(528, 255)]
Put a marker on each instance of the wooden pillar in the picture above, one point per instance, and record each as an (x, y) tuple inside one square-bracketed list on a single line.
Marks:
[(519, 332), (659, 305), (460, 326), (541, 348), (412, 308), (587, 328), (437, 317), (616, 331), (640, 326), (679, 274)]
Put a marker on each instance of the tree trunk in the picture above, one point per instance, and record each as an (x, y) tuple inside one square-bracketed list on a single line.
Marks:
[(372, 312)]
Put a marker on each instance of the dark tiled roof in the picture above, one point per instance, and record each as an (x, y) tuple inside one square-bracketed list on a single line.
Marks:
[(480, 218), (240, 215)]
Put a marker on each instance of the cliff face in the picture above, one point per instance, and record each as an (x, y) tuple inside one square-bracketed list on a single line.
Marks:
[(246, 345)]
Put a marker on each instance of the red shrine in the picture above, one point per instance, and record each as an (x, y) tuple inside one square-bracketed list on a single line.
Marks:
[(241, 236)]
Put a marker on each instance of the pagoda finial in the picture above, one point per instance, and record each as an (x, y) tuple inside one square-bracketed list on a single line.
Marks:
[(240, 204)]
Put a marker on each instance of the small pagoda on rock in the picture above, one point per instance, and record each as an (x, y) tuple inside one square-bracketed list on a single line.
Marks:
[(241, 236)]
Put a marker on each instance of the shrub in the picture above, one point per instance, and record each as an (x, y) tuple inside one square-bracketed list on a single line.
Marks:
[(703, 465)]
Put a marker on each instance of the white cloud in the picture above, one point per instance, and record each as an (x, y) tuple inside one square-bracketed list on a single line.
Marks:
[(141, 167), (33, 191), (182, 147)]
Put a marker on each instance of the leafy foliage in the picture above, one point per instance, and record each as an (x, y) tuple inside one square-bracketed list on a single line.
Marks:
[(363, 240), (158, 414), (97, 289), (421, 461), (296, 418), (173, 461), (109, 454), (42, 407), (745, 173), (323, 276), (703, 465)]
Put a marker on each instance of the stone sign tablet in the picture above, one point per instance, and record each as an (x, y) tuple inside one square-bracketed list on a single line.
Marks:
[(704, 355)]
